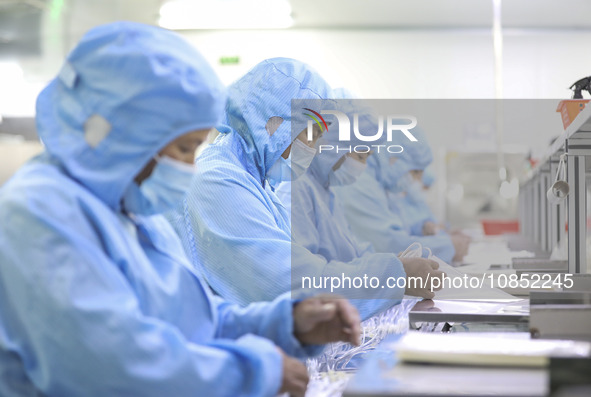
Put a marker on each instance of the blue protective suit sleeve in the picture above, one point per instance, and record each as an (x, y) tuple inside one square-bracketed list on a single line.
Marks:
[(80, 329), (232, 237), (272, 320), (360, 262), (416, 229), (370, 218), (251, 259), (418, 214)]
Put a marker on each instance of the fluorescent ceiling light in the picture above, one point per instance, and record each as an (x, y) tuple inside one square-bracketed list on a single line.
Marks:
[(226, 14)]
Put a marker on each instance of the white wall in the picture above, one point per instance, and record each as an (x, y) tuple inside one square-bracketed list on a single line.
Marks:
[(415, 63), (422, 64), (419, 64), (543, 64), (381, 64), (374, 63), (13, 155)]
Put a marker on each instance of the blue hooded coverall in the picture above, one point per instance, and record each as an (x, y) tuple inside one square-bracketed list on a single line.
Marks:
[(414, 208), (233, 225), (94, 302), (319, 223)]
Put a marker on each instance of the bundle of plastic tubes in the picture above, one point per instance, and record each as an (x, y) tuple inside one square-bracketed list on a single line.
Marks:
[(330, 372)]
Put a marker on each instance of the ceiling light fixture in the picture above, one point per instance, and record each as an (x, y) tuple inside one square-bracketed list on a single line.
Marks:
[(225, 14)]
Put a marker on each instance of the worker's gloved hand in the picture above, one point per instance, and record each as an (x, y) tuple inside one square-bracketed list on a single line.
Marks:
[(461, 244), (426, 270), (295, 377), (430, 228), (326, 318)]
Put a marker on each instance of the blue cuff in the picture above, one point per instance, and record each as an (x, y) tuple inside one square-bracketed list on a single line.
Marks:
[(271, 362), (288, 342)]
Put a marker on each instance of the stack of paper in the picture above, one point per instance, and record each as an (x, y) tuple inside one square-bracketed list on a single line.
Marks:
[(498, 349)]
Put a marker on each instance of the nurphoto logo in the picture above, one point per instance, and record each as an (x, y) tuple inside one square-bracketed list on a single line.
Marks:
[(394, 124)]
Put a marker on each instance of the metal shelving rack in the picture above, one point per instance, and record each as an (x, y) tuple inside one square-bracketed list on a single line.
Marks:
[(543, 222)]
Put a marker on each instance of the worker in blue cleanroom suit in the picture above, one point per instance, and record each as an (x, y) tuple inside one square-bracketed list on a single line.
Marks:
[(232, 225), (97, 297), (319, 224), (372, 204), (416, 213), (428, 178)]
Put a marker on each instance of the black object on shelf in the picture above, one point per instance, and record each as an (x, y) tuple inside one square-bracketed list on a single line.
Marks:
[(579, 86)]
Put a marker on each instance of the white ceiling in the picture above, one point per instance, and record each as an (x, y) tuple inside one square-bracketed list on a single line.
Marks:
[(567, 14), (354, 14), (78, 16)]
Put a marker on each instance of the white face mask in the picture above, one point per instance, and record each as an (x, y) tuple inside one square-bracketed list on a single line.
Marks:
[(347, 173), (301, 159)]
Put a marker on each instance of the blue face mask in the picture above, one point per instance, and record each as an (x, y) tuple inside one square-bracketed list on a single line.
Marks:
[(404, 183), (162, 190), (396, 177), (415, 190), (279, 172)]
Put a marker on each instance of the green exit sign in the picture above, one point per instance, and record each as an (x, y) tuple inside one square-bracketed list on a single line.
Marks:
[(230, 60)]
